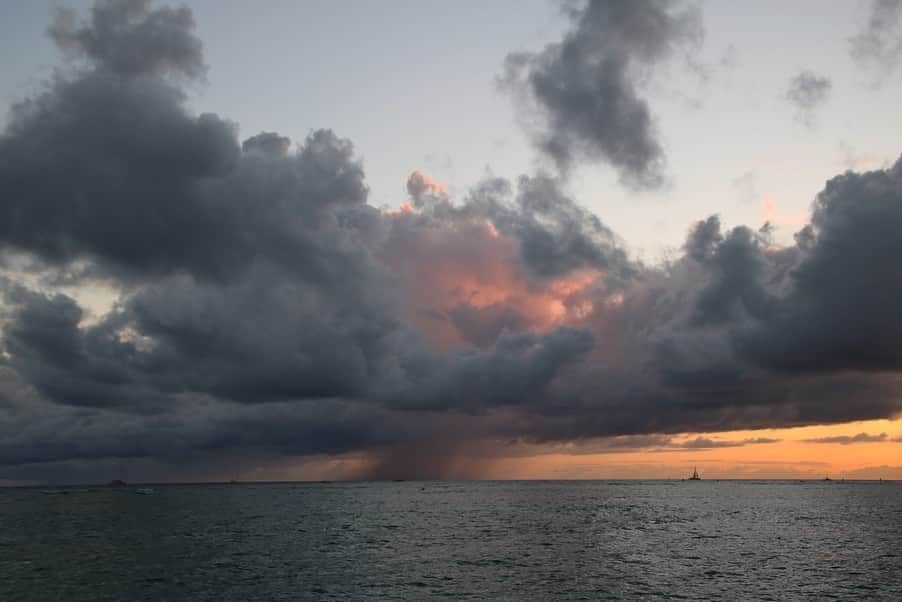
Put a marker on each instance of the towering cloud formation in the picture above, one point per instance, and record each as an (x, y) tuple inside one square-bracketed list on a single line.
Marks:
[(263, 308), (586, 87), (127, 38)]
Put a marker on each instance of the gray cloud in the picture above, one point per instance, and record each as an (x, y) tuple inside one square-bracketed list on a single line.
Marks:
[(879, 43), (807, 92), (515, 371), (246, 275), (842, 285), (656, 444), (586, 87), (850, 439), (129, 39), (269, 143), (482, 325), (700, 443), (733, 266), (741, 334), (555, 234)]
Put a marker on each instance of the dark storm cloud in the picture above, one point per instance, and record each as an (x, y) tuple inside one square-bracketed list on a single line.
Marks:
[(109, 166), (184, 338), (128, 38), (516, 370), (46, 347), (263, 338), (800, 323), (116, 171), (840, 312), (741, 334), (644, 403), (850, 439), (200, 427), (555, 235), (703, 239), (263, 307), (586, 87), (276, 240), (482, 325), (792, 324), (735, 265), (807, 92), (268, 143), (247, 275), (879, 43)]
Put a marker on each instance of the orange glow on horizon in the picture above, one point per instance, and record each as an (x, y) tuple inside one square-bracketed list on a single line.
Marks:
[(793, 457)]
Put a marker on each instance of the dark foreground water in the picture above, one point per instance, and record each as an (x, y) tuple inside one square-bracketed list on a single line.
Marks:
[(465, 540)]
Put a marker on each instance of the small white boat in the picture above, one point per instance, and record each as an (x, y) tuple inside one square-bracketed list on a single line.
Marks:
[(695, 476)]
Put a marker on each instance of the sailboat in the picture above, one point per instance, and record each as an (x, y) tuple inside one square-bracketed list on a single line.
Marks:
[(695, 476)]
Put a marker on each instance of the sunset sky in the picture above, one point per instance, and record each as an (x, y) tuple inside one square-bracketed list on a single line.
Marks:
[(516, 239)]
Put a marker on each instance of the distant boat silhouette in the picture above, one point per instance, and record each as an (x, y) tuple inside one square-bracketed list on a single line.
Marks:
[(695, 476), (827, 478)]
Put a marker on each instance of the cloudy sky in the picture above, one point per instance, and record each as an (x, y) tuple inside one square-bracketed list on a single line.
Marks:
[(421, 240)]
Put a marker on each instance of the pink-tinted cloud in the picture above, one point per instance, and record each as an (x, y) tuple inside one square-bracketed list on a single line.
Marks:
[(422, 187), (464, 283)]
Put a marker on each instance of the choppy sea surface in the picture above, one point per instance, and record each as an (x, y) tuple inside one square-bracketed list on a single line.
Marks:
[(552, 540)]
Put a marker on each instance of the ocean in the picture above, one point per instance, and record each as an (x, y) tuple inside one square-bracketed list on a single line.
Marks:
[(506, 540)]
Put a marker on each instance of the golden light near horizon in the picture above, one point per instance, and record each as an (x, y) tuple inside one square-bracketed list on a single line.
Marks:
[(868, 450), (795, 455)]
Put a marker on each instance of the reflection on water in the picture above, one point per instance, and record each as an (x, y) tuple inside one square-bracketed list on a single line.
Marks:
[(580, 540)]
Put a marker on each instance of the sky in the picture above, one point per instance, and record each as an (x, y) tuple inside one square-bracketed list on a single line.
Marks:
[(526, 239)]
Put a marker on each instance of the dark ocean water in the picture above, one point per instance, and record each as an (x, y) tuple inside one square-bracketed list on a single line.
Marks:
[(580, 540)]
